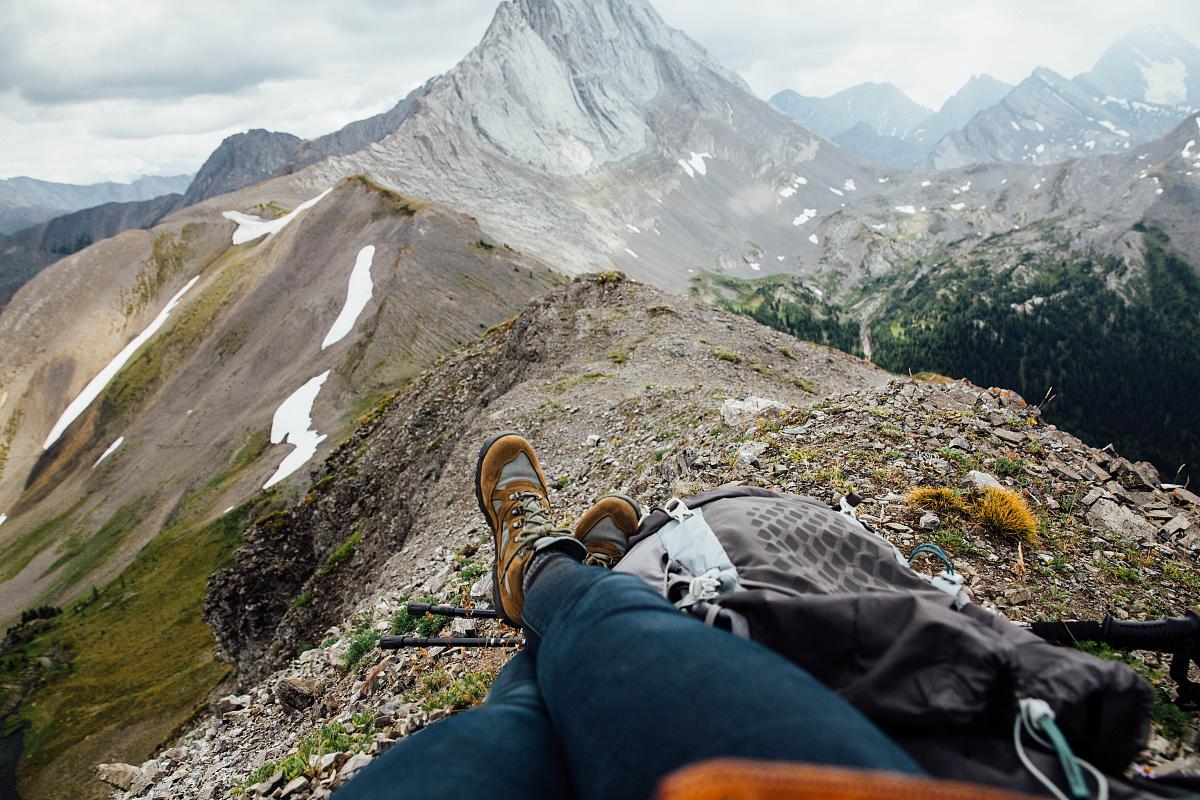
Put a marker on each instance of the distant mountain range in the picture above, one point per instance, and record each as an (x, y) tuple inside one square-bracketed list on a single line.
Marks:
[(28, 201), (1141, 87)]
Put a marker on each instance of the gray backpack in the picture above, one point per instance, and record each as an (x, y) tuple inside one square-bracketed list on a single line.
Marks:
[(946, 679)]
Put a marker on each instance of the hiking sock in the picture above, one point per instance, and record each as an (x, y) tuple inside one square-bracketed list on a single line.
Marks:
[(566, 551)]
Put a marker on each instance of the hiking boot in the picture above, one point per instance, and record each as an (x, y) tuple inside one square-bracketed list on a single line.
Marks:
[(513, 495), (606, 528)]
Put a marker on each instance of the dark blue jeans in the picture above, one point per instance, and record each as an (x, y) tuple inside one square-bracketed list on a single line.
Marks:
[(615, 690)]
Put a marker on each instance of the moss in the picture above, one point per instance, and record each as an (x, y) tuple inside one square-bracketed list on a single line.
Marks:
[(618, 358), (302, 599), (1008, 467), (340, 553), (610, 277)]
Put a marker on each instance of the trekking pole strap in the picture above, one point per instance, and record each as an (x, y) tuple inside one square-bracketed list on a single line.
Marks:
[(401, 642)]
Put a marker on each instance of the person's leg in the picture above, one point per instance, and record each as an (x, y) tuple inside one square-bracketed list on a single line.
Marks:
[(505, 749), (636, 689)]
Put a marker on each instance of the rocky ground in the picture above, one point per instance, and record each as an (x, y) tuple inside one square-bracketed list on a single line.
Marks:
[(624, 388)]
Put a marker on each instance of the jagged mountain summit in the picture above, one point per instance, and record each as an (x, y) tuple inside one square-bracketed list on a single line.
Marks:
[(978, 93), (1140, 88)]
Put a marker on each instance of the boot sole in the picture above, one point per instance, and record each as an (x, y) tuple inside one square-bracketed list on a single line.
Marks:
[(483, 509)]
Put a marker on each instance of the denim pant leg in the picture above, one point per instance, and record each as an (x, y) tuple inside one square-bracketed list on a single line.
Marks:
[(636, 689), (505, 749)]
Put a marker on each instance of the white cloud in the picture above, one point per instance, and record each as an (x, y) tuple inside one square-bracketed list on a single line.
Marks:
[(111, 89)]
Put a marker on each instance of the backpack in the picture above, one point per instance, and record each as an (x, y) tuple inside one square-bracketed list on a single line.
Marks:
[(946, 679)]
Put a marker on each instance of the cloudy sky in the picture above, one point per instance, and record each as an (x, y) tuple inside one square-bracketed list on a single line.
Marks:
[(96, 90)]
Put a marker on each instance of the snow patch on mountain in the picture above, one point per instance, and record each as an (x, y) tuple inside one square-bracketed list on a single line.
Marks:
[(3, 518), (695, 164), (98, 383), (813, 238), (293, 423), (250, 227), (112, 448), (808, 214), (906, 209), (358, 294), (1166, 81)]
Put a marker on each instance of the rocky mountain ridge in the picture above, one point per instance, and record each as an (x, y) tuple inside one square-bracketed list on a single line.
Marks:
[(304, 718)]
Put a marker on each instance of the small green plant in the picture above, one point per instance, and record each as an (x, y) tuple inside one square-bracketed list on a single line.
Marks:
[(727, 355), (891, 430), (1034, 447), (340, 553), (471, 572), (965, 461), (1008, 467), (467, 691), (302, 599), (787, 353), (805, 385), (404, 623), (363, 640), (618, 358), (611, 276)]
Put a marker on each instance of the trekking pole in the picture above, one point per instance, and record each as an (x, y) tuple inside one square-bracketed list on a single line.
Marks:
[(399, 642), (1177, 636), (421, 609)]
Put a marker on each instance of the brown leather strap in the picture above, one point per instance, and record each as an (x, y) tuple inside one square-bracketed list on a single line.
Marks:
[(733, 779)]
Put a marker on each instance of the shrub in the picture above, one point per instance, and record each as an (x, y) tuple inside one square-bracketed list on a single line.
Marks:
[(727, 355), (467, 691), (939, 500), (1008, 467), (362, 642), (1004, 513)]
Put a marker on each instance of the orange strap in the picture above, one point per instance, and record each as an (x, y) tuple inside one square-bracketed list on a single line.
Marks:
[(733, 779)]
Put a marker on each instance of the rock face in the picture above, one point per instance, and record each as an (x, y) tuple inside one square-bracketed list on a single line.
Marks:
[(241, 160)]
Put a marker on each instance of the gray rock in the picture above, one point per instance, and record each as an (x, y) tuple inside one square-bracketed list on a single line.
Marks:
[(959, 443), (1118, 519), (482, 588), (1012, 437), (929, 521), (267, 786), (982, 480), (354, 764), (593, 440), (464, 627), (1092, 496), (295, 785), (1179, 523), (736, 413), (121, 776), (232, 702), (749, 453)]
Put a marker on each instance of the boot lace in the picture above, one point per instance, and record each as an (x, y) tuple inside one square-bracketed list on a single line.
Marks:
[(533, 522)]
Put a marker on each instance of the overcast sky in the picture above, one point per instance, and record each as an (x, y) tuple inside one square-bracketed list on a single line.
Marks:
[(95, 90)]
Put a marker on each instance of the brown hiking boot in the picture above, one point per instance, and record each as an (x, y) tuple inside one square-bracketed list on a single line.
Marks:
[(513, 495), (606, 528)]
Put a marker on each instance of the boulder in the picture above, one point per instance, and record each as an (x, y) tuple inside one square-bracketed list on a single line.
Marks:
[(297, 693), (232, 702), (267, 786), (736, 413), (982, 480), (1118, 519), (121, 776)]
